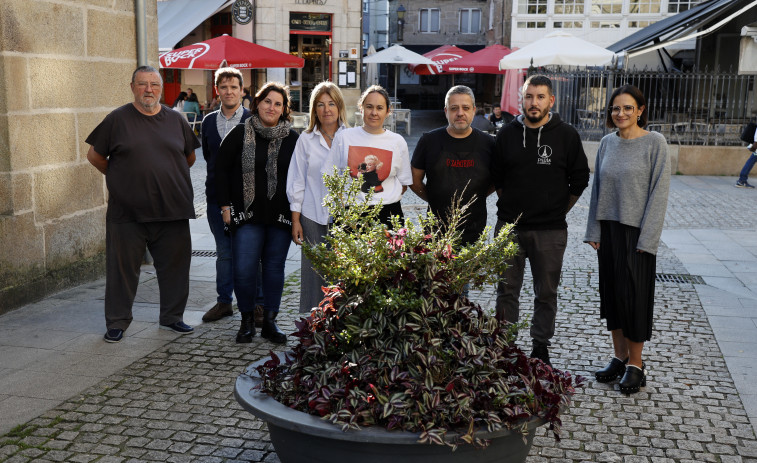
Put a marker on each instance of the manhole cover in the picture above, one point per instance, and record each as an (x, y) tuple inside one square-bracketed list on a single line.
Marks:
[(204, 254), (679, 278)]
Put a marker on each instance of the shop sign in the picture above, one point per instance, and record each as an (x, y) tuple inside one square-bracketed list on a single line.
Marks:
[(241, 11), (314, 22), (310, 2)]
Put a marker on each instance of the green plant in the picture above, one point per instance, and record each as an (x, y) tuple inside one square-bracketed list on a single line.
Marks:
[(394, 343)]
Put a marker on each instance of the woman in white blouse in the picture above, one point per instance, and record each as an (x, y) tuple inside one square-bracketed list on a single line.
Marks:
[(305, 188)]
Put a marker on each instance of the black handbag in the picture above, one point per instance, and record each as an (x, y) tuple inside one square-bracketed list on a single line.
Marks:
[(747, 134)]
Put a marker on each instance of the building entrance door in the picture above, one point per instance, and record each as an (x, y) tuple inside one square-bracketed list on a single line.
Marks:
[(314, 49)]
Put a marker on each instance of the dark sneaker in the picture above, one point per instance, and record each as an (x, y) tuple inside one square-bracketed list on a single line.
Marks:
[(743, 185), (220, 310), (114, 335), (178, 327), (541, 352)]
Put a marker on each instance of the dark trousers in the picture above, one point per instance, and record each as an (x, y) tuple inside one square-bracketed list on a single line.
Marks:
[(544, 250), (310, 281), (170, 245)]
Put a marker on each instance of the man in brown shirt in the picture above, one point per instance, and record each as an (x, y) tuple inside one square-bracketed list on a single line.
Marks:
[(145, 149)]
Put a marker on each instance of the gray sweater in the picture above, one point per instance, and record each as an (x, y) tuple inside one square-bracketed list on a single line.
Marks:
[(631, 183)]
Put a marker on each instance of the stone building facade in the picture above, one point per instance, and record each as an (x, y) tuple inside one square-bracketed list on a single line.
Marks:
[(63, 66)]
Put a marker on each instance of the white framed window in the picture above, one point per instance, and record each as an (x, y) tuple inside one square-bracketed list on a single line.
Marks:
[(365, 6), (532, 24), (605, 24), (644, 6), (532, 7), (676, 6), (568, 24), (428, 20), (569, 6), (606, 6), (470, 20)]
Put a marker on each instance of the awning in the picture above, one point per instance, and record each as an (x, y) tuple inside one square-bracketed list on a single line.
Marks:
[(683, 26), (177, 18)]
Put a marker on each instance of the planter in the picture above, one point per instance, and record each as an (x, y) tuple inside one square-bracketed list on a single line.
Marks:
[(299, 437)]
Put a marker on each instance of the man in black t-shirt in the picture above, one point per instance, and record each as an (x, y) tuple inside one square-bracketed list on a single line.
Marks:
[(145, 150), (455, 160)]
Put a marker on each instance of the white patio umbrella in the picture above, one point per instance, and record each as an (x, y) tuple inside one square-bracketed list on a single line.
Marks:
[(557, 48), (397, 54), (371, 70)]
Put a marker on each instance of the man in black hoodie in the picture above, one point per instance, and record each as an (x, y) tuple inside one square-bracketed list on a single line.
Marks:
[(539, 169)]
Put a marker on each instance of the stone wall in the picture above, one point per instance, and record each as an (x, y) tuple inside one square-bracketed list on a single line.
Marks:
[(63, 66)]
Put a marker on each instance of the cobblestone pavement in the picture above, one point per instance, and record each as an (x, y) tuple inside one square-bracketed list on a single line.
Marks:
[(176, 404)]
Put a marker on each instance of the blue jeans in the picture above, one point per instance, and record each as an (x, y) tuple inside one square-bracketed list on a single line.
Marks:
[(254, 244), (224, 266), (224, 262), (747, 167)]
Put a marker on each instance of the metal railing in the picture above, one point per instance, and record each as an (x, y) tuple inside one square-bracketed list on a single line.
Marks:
[(701, 107)]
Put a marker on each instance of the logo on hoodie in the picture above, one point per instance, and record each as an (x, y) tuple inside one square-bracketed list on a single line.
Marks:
[(545, 155)]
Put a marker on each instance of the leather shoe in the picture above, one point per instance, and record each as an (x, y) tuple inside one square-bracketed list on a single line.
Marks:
[(218, 311), (270, 330), (634, 379), (614, 369), (541, 351), (114, 335), (246, 328), (178, 327)]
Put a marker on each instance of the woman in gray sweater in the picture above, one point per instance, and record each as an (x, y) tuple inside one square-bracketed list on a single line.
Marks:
[(628, 202)]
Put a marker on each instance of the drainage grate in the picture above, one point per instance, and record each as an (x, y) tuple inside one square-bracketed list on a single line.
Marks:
[(204, 254), (679, 278)]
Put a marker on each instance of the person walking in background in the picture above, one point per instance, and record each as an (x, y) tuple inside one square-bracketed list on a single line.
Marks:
[(751, 160), (539, 170), (351, 147), (626, 214), (251, 171), (145, 151), (215, 126), (305, 188), (456, 163)]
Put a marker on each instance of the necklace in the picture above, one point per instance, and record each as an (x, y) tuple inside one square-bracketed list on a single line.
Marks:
[(330, 137)]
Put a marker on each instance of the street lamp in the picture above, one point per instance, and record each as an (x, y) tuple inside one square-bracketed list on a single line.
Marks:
[(401, 22)]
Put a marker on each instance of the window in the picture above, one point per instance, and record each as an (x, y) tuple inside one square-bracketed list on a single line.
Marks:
[(470, 21), (532, 7), (676, 6), (644, 6), (532, 24), (365, 6), (606, 6), (429, 20), (569, 7), (605, 24), (569, 24)]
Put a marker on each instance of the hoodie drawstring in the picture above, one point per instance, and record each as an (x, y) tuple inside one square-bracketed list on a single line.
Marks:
[(538, 136)]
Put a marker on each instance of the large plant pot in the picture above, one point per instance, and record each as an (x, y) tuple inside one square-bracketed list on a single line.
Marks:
[(299, 437)]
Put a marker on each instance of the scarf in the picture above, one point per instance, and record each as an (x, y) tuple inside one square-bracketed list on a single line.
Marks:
[(275, 135)]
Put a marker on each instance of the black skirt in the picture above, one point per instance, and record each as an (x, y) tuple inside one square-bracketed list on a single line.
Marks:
[(626, 282)]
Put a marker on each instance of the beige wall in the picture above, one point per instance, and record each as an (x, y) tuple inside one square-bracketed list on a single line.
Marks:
[(694, 160), (272, 30), (63, 66)]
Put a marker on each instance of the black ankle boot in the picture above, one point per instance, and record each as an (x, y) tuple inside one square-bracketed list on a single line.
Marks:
[(634, 379), (247, 328), (270, 330), (614, 369)]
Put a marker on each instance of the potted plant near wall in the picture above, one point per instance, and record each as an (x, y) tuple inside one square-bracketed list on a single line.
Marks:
[(395, 358)]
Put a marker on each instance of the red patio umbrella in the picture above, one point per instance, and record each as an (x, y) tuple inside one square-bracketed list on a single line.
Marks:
[(484, 61), (441, 56), (237, 53)]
